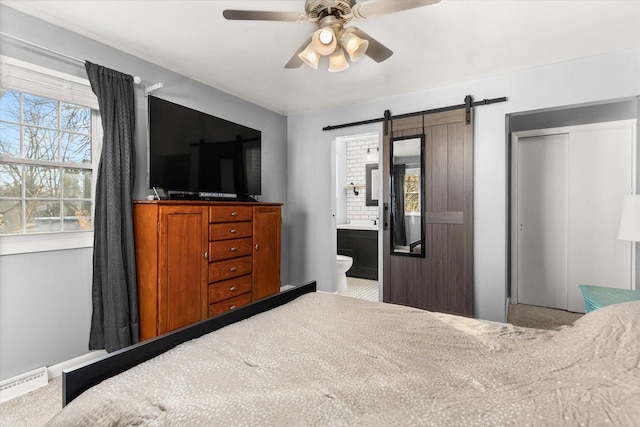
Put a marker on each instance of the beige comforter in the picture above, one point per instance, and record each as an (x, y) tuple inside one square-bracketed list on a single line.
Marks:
[(327, 360)]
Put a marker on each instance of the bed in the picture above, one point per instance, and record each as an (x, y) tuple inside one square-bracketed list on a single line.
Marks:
[(328, 360)]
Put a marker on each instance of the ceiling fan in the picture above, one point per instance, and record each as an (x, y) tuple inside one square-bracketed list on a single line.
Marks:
[(332, 38)]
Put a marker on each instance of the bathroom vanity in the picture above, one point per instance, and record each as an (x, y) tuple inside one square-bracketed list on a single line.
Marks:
[(360, 242)]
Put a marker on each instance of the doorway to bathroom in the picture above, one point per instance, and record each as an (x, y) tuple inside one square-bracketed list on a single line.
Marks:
[(355, 162)]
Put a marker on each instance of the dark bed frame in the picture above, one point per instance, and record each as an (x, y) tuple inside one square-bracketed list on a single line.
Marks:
[(82, 377)]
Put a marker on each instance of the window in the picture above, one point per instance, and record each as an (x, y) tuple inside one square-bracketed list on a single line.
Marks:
[(48, 136)]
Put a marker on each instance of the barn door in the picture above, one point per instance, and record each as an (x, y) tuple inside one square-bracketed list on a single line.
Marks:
[(442, 280)]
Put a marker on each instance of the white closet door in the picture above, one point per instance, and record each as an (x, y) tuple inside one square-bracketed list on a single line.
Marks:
[(541, 216), (600, 174), (568, 198)]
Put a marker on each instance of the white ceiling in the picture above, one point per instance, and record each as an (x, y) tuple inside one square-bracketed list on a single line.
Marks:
[(450, 41)]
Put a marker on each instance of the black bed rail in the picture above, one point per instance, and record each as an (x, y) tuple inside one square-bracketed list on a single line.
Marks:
[(82, 377)]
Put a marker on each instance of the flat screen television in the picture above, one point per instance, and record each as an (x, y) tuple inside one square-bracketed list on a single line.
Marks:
[(196, 155)]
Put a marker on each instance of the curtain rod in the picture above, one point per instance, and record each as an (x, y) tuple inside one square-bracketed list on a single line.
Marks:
[(136, 79), (468, 104)]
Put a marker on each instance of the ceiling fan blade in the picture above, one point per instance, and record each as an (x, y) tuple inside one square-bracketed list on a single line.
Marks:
[(376, 50), (372, 8), (257, 15), (295, 61)]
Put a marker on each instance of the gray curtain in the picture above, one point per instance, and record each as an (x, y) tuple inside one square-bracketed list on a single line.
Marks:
[(114, 322), (399, 226)]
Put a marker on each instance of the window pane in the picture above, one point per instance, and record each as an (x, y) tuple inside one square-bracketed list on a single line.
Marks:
[(40, 144), (77, 215), (76, 184), (74, 118), (9, 139), (10, 106), (40, 111), (42, 215), (10, 179), (42, 181), (10, 216), (75, 148)]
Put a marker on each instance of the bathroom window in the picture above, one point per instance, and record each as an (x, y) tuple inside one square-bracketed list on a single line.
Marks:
[(412, 192)]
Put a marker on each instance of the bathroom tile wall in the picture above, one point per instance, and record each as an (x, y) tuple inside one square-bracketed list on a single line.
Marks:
[(356, 155)]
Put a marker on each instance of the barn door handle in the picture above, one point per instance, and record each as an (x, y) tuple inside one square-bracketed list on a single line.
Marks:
[(385, 216)]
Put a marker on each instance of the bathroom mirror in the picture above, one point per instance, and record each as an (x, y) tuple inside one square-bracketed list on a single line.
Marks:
[(407, 196), (372, 184)]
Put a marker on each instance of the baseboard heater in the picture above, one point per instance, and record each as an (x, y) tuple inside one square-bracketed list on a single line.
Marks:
[(23, 383)]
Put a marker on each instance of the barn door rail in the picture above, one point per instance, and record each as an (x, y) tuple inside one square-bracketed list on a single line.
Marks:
[(467, 105)]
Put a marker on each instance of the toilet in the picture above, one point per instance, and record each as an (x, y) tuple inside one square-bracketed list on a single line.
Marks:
[(343, 264)]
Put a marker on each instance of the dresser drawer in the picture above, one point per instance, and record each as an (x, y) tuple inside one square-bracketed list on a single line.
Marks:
[(225, 249), (230, 213), (223, 270), (230, 230), (229, 288), (229, 304)]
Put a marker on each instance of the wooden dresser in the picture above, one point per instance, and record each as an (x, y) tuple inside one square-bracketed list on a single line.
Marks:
[(199, 259)]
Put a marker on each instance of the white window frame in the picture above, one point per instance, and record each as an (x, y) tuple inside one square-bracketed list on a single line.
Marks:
[(29, 78)]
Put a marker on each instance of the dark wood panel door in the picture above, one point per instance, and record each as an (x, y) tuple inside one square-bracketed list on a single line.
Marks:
[(182, 265), (443, 279)]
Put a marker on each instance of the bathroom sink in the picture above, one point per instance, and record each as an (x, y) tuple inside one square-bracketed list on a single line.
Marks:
[(359, 224)]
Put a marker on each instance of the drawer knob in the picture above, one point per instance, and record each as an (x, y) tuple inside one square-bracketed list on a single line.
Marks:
[(234, 231), (233, 269), (233, 288), (233, 249), (234, 213), (232, 307)]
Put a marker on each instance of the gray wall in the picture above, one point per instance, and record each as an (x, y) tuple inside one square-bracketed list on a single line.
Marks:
[(586, 80), (45, 298)]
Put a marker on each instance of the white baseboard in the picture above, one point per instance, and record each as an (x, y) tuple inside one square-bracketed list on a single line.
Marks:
[(56, 370)]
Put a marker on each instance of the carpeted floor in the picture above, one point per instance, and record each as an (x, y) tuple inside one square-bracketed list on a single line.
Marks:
[(33, 409), (531, 316)]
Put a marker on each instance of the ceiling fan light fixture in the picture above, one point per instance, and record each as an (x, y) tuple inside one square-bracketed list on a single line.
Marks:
[(354, 45), (338, 61), (310, 57), (324, 41)]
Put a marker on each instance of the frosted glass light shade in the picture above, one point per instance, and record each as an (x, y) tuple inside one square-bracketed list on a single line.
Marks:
[(630, 219), (324, 41), (354, 45), (338, 61), (309, 56)]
